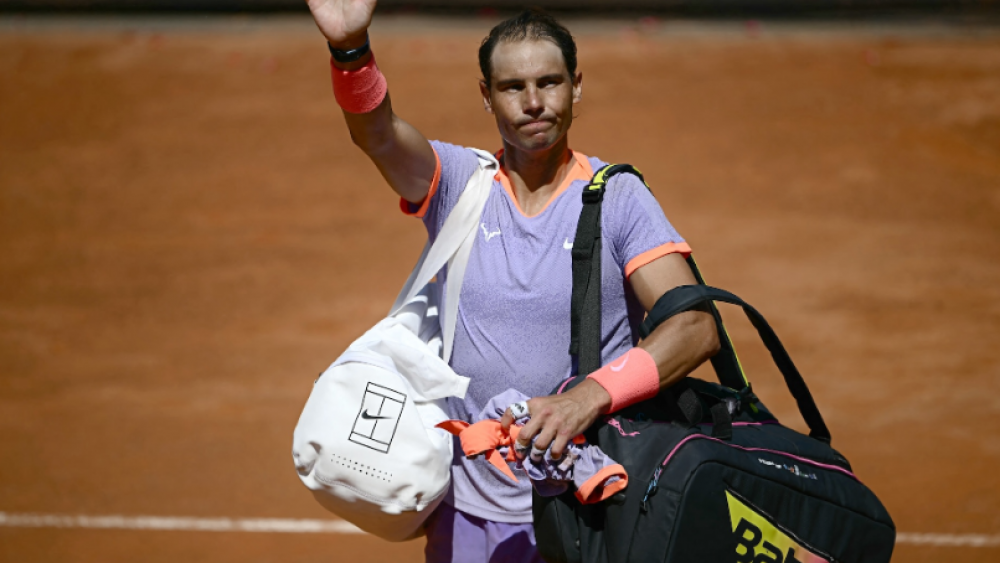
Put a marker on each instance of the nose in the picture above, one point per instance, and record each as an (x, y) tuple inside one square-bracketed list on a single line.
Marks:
[(533, 104)]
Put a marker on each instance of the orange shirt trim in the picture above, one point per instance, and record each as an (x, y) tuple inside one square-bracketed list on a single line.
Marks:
[(407, 208), (658, 252), (581, 170)]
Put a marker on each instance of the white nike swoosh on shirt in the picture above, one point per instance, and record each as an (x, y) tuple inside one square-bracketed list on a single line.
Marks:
[(621, 366), (567, 245)]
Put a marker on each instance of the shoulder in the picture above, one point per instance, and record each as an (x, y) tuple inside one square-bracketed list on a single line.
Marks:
[(453, 155), (621, 186), (627, 200), (636, 226), (457, 164)]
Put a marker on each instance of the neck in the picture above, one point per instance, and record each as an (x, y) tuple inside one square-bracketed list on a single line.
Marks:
[(534, 176)]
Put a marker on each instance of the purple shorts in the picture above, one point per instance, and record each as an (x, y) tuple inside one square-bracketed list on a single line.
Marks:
[(456, 537)]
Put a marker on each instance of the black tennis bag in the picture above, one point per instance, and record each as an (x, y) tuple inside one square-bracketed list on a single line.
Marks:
[(713, 475)]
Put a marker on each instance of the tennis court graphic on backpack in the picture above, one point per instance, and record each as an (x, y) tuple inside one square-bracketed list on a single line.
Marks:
[(375, 425)]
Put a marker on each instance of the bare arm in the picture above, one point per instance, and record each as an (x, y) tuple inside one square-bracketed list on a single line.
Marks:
[(684, 341), (678, 346), (403, 156)]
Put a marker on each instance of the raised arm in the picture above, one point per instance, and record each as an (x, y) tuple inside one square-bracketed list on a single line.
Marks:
[(399, 151)]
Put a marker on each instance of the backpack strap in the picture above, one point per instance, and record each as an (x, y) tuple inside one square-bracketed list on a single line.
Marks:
[(585, 308), (585, 305)]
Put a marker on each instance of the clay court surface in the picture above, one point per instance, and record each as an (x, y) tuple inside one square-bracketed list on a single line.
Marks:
[(188, 238)]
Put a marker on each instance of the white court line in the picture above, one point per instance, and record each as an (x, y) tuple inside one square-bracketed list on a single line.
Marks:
[(335, 527), (956, 540), (180, 523)]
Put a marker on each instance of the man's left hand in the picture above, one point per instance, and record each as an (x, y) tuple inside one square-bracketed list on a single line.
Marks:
[(557, 419)]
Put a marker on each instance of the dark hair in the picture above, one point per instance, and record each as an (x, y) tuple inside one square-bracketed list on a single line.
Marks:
[(530, 24)]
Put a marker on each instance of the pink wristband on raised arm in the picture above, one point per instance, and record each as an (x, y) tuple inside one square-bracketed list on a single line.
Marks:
[(630, 378), (360, 90)]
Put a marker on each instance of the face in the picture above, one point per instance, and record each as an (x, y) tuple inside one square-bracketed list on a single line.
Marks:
[(531, 94)]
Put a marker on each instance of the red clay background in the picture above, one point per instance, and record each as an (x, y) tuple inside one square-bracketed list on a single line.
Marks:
[(188, 237)]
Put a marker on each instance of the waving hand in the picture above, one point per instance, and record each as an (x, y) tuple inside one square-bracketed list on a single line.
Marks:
[(400, 152), (344, 23)]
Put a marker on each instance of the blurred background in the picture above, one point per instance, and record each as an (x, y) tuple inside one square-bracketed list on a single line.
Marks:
[(188, 237), (707, 7)]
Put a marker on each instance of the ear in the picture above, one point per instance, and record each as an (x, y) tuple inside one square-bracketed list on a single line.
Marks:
[(578, 88), (485, 91)]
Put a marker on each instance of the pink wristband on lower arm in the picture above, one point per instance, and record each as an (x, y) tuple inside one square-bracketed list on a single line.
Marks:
[(360, 90), (630, 378)]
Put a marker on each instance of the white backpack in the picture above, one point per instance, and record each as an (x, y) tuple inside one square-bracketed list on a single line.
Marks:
[(366, 443)]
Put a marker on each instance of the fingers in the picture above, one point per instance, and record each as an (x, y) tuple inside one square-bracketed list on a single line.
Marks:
[(558, 446), (553, 440), (519, 409), (506, 420), (543, 441), (514, 412), (539, 433), (525, 436), (521, 451), (553, 423)]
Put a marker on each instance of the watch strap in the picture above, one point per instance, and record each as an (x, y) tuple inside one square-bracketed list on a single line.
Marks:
[(350, 55)]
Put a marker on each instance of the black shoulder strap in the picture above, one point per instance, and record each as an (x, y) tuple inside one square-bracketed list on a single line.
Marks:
[(585, 308), (725, 363), (686, 297)]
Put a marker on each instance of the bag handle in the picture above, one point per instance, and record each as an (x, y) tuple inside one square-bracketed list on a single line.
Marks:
[(685, 297), (452, 247), (725, 362)]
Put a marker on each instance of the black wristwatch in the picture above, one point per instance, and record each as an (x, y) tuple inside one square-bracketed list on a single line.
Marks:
[(351, 55)]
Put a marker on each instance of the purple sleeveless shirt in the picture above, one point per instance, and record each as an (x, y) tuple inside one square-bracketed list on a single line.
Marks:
[(513, 317)]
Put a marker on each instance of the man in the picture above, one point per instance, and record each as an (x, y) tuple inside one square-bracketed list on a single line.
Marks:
[(513, 326)]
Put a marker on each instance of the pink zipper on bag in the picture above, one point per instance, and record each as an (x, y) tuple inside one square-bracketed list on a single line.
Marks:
[(746, 449), (654, 482)]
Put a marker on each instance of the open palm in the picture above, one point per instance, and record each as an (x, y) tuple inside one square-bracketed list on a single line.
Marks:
[(342, 20)]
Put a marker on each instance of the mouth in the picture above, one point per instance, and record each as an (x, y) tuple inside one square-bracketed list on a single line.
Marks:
[(535, 126)]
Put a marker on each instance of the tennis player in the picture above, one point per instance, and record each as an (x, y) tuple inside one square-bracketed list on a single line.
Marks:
[(513, 328)]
